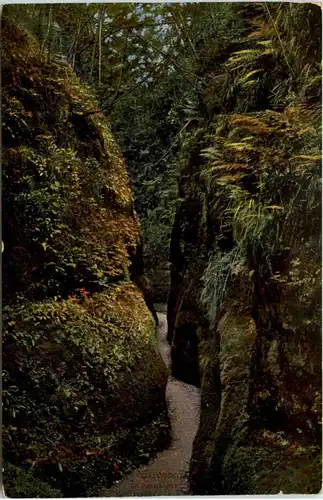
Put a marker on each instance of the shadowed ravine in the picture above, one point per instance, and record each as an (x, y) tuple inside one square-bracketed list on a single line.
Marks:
[(166, 474)]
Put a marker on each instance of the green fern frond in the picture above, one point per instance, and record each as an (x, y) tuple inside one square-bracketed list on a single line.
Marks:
[(230, 178), (308, 157), (231, 167), (239, 146), (245, 78), (245, 56), (265, 43)]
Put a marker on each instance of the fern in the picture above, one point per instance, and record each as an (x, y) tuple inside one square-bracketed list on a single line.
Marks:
[(216, 280), (286, 203)]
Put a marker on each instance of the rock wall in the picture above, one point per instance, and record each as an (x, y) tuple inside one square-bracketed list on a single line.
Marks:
[(83, 382), (244, 308), (188, 256), (261, 432), (259, 367)]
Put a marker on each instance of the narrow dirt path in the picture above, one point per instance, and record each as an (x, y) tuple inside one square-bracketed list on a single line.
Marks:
[(166, 474)]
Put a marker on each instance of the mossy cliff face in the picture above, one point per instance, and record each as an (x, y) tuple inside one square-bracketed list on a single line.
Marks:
[(264, 434), (82, 379), (83, 382), (244, 307), (68, 196), (259, 368)]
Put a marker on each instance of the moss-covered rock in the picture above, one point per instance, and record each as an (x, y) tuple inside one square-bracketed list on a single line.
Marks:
[(244, 306), (83, 382), (79, 377), (259, 360), (268, 461), (70, 203)]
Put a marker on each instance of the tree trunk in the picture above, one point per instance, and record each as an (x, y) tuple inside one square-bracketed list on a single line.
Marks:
[(100, 44)]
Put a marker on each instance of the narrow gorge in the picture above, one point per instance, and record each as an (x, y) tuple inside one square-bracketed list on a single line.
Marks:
[(167, 473)]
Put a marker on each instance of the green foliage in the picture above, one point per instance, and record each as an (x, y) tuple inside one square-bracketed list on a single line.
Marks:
[(22, 484), (74, 369), (217, 279), (144, 62), (66, 187), (168, 69), (78, 365), (263, 168), (281, 174)]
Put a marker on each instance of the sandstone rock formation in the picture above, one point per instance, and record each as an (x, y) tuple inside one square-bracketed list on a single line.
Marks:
[(83, 383)]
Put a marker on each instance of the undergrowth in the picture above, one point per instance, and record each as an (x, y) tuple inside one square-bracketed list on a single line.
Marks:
[(73, 371), (263, 167)]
